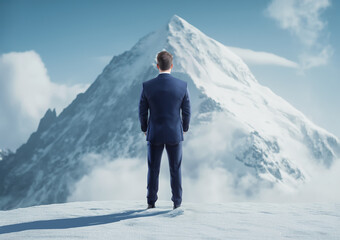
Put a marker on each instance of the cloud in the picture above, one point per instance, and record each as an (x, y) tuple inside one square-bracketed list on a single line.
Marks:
[(26, 92), (122, 179), (309, 60), (103, 59), (209, 174), (126, 179), (247, 55), (302, 18), (322, 187), (262, 58)]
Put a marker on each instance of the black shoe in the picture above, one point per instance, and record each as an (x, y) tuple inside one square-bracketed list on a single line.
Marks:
[(176, 206), (151, 206)]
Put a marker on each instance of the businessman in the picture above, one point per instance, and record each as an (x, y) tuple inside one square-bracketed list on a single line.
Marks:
[(164, 96)]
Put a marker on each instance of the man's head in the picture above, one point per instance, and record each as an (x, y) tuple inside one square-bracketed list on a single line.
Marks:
[(164, 61)]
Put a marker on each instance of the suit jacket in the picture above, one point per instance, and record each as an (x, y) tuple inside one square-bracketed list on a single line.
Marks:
[(164, 96)]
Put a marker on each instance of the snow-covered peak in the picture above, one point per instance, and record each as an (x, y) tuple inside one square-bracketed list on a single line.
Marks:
[(195, 52), (178, 24), (237, 125), (219, 80)]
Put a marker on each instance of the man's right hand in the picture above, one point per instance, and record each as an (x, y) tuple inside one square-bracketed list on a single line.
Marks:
[(185, 132)]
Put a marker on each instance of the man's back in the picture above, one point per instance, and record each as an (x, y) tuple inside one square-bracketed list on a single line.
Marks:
[(165, 96)]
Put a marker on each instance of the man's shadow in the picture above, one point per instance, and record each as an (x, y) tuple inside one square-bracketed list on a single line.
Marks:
[(79, 221)]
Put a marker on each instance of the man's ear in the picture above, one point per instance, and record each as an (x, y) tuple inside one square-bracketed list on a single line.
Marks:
[(171, 65), (157, 66)]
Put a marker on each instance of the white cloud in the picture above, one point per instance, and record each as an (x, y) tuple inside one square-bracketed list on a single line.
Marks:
[(103, 59), (322, 187), (303, 19), (126, 179), (210, 173), (262, 58), (120, 179), (309, 60), (247, 55), (26, 92)]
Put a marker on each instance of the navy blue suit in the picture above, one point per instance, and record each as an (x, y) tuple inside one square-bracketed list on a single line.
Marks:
[(164, 96)]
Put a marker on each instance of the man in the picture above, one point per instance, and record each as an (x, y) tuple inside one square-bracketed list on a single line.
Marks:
[(165, 96)]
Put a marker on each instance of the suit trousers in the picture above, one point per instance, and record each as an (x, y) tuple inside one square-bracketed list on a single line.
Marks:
[(174, 152)]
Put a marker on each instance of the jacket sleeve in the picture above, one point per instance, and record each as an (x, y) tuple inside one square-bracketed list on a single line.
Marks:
[(143, 110), (186, 111)]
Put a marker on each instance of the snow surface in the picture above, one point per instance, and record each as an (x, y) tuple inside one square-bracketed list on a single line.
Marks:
[(131, 220)]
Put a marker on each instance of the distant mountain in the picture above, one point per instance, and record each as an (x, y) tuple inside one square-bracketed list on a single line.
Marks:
[(241, 125)]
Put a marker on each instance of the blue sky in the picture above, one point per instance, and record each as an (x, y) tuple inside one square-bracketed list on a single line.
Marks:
[(76, 39)]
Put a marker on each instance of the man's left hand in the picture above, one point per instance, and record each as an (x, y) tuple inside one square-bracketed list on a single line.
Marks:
[(144, 133)]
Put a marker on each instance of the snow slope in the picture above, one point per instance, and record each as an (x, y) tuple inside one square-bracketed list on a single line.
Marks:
[(237, 125), (131, 220)]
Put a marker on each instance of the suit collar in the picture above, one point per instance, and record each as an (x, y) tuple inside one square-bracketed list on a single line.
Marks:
[(164, 75)]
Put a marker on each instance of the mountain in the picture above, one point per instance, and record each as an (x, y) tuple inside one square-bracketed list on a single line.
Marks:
[(237, 124), (131, 220)]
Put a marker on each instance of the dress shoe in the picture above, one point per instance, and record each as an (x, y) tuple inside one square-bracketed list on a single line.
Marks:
[(176, 206), (151, 205)]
